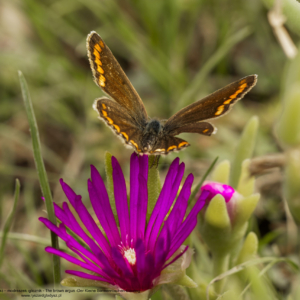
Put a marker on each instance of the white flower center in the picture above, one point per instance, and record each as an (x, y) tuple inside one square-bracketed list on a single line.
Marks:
[(129, 254)]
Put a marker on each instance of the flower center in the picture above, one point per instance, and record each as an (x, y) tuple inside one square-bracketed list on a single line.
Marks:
[(129, 254)]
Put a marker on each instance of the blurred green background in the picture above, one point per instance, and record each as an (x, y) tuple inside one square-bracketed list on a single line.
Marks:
[(174, 52)]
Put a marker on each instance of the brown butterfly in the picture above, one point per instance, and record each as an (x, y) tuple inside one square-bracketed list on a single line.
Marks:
[(127, 116)]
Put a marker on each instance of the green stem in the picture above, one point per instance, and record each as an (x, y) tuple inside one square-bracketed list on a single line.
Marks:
[(36, 145), (220, 265)]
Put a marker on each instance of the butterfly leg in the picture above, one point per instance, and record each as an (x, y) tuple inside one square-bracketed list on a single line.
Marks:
[(153, 159), (157, 160)]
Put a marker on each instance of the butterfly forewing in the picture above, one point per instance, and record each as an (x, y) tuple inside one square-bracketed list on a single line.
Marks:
[(119, 120), (212, 106), (110, 77)]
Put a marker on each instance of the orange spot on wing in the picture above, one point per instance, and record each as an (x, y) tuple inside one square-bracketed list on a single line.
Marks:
[(135, 145), (219, 110), (205, 130), (116, 127), (240, 90), (110, 121), (125, 136), (101, 44), (100, 70), (96, 53), (104, 113), (98, 62), (227, 101), (102, 81), (182, 144), (171, 148), (103, 105), (97, 46), (235, 94)]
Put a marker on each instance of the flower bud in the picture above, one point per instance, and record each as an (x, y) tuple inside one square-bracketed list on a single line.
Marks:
[(225, 215)]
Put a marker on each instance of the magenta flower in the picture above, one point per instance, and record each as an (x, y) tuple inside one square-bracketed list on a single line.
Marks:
[(132, 256)]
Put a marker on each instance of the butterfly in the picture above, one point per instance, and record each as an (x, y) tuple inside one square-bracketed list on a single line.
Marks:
[(127, 116)]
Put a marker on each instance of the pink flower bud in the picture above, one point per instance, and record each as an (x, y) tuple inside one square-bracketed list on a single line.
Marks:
[(215, 188)]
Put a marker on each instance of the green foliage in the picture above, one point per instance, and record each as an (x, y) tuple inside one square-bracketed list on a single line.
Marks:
[(174, 52), (244, 150), (41, 171)]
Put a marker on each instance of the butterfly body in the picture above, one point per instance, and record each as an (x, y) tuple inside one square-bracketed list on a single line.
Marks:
[(127, 116), (151, 134)]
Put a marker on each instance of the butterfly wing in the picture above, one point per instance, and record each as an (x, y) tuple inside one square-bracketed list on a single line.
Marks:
[(200, 127), (214, 105), (120, 121), (167, 144), (110, 77)]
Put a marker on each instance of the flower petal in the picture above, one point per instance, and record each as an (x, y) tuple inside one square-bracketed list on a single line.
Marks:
[(121, 199), (143, 164), (178, 212), (188, 225), (71, 242), (60, 214), (144, 264), (140, 257), (91, 226), (80, 232), (73, 260), (68, 191), (163, 196), (100, 202), (142, 206), (106, 268), (138, 208), (134, 190), (162, 248), (166, 205), (87, 276), (215, 188)]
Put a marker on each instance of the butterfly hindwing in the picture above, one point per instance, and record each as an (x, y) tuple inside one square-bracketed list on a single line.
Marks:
[(200, 127), (110, 77), (167, 144), (212, 106), (118, 119)]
